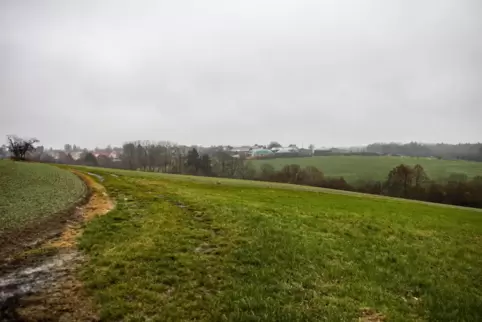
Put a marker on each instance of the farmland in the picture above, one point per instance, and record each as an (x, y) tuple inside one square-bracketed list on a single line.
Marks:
[(354, 168), (30, 192), (194, 248)]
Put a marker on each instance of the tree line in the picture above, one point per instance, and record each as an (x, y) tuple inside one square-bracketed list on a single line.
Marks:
[(402, 181), (171, 158), (464, 151)]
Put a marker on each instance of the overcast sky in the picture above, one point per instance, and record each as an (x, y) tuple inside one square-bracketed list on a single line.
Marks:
[(332, 73)]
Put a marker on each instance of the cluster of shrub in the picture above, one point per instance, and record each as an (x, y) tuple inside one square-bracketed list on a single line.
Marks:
[(403, 181)]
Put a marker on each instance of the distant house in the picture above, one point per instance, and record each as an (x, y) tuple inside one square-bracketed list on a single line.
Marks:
[(102, 154), (289, 150), (115, 156), (320, 152), (305, 152), (76, 155), (241, 151), (257, 146), (54, 154), (260, 153)]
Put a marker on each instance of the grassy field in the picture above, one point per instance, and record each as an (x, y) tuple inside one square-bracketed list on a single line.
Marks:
[(192, 248), (32, 191), (354, 168)]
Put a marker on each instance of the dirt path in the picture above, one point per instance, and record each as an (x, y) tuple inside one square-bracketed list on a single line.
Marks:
[(39, 283)]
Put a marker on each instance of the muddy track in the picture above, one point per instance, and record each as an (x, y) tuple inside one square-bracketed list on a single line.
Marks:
[(34, 234), (38, 282)]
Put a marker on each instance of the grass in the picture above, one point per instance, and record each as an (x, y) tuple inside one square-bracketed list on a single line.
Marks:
[(30, 192), (192, 248), (354, 168)]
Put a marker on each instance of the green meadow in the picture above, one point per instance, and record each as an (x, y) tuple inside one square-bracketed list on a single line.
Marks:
[(192, 248), (354, 168)]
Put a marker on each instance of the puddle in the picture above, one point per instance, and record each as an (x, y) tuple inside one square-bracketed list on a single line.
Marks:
[(34, 278), (101, 178)]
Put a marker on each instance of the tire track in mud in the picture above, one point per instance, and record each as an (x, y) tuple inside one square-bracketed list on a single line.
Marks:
[(41, 283)]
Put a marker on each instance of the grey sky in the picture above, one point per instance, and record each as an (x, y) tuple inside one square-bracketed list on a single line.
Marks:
[(232, 72)]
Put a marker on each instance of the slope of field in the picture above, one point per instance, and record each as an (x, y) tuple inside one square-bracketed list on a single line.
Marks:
[(30, 192), (192, 248), (354, 168)]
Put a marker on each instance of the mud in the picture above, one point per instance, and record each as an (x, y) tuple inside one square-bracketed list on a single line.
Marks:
[(30, 279), (41, 283), (35, 234), (371, 315)]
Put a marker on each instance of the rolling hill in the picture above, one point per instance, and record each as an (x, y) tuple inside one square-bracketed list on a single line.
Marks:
[(354, 168), (193, 248)]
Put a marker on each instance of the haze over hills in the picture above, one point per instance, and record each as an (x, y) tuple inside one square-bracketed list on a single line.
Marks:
[(329, 73)]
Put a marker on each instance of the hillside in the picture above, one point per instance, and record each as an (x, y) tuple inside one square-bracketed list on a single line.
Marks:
[(31, 192), (354, 168), (193, 248)]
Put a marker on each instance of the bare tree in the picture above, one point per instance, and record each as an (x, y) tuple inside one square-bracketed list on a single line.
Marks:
[(142, 154), (244, 170), (129, 157), (19, 147), (420, 176), (230, 168), (3, 151)]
